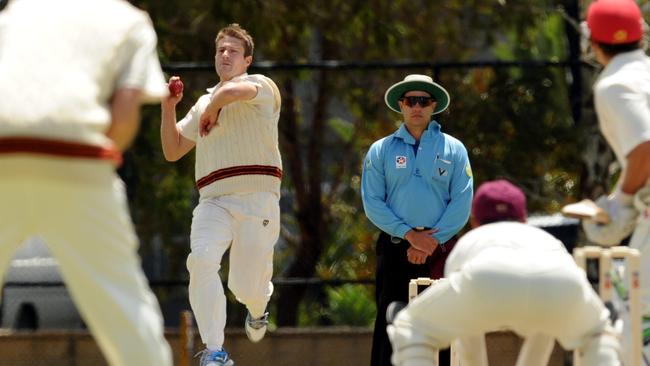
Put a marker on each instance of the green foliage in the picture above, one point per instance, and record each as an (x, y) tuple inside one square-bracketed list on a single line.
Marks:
[(351, 305), (311, 313), (515, 122), (344, 129), (519, 118)]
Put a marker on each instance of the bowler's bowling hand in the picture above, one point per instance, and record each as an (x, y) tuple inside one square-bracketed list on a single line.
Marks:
[(422, 240), (175, 95)]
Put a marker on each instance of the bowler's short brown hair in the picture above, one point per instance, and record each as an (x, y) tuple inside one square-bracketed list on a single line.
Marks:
[(235, 31)]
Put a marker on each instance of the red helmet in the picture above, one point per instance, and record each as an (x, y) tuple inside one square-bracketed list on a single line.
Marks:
[(615, 21)]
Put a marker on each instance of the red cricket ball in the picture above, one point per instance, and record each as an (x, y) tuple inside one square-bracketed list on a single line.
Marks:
[(175, 86)]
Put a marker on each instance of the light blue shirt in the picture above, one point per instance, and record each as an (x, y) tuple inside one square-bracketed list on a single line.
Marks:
[(402, 190)]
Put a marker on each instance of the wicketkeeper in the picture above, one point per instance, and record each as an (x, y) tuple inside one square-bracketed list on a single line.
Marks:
[(505, 275)]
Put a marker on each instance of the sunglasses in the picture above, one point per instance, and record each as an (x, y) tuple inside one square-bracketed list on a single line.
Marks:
[(422, 101)]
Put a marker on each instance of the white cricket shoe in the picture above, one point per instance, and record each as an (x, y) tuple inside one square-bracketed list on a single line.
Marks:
[(256, 328)]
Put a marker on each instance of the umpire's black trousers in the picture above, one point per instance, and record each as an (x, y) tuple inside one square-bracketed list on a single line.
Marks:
[(394, 272)]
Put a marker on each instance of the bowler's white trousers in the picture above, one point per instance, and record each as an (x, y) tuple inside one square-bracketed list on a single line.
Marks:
[(248, 224), (79, 208), (538, 298)]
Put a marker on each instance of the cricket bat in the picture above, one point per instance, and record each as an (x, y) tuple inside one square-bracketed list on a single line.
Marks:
[(586, 209)]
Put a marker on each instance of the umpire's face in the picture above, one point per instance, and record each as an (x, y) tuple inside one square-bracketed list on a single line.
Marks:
[(417, 107)]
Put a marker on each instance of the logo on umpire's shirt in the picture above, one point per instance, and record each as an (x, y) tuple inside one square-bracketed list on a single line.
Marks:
[(443, 172), (400, 162), (468, 170), (265, 222)]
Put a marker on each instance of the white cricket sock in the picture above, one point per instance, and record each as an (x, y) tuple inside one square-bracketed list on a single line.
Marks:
[(256, 310), (213, 347)]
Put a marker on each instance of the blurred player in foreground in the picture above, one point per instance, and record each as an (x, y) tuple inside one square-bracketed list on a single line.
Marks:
[(505, 275), (234, 128), (73, 76), (622, 99)]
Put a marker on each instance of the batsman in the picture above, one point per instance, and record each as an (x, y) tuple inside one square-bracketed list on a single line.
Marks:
[(622, 100)]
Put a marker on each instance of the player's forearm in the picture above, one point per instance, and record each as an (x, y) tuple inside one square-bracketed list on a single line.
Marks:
[(457, 212), (452, 221), (637, 171), (123, 134), (125, 118), (221, 99), (232, 92), (169, 134), (383, 217)]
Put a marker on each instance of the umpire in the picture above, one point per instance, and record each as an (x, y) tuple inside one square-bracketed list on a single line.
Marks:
[(417, 189)]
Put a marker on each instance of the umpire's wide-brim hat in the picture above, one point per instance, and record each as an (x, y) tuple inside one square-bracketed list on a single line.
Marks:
[(420, 83)]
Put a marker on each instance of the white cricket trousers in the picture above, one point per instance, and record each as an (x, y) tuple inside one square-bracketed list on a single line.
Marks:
[(79, 208), (248, 224), (540, 296)]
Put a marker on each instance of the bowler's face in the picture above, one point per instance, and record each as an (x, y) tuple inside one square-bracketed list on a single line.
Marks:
[(417, 115), (229, 59)]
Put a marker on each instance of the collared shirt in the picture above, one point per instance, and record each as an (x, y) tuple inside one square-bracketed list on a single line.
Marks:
[(622, 99), (241, 154), (402, 190)]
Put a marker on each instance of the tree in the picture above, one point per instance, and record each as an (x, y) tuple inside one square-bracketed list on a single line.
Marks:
[(517, 123)]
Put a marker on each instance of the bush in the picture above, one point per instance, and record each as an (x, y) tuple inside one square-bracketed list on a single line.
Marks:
[(351, 305)]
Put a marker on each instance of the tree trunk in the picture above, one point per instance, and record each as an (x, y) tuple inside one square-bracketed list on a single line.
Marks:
[(596, 157), (308, 199), (572, 9)]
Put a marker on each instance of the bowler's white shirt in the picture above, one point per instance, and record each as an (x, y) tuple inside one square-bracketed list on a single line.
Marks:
[(247, 135)]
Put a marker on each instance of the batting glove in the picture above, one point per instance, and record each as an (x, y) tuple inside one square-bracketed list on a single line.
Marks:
[(642, 200), (622, 216)]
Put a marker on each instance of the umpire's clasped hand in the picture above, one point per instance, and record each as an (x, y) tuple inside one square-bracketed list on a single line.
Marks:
[(423, 240)]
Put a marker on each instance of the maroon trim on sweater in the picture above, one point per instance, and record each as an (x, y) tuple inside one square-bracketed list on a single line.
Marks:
[(239, 170), (31, 145)]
